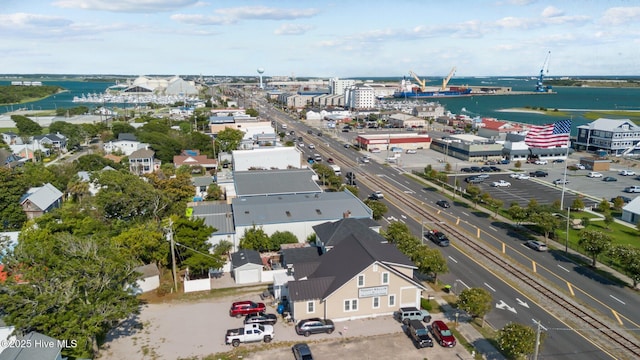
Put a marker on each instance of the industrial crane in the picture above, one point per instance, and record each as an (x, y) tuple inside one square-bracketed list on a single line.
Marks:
[(445, 81), (539, 85), (422, 83)]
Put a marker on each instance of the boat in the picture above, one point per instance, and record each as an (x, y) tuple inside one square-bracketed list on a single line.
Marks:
[(417, 93)]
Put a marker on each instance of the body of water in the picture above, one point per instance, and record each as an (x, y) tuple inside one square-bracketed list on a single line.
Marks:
[(573, 99)]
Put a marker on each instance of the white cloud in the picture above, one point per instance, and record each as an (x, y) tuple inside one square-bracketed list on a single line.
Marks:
[(621, 15), (202, 19), (292, 29), (24, 20), (511, 22), (134, 6), (267, 13), (552, 11)]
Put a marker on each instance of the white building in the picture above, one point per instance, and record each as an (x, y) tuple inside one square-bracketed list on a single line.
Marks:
[(340, 86), (360, 97), (267, 158)]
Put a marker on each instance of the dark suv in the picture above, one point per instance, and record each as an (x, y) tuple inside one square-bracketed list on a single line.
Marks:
[(419, 334), (538, 173), (314, 326), (437, 237)]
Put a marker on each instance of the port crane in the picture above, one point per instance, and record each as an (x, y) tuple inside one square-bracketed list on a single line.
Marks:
[(445, 81), (539, 85), (421, 82)]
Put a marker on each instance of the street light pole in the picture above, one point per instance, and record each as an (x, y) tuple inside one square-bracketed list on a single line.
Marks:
[(566, 243)]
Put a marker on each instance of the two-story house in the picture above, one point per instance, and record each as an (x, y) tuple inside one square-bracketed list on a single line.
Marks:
[(143, 161), (57, 141), (615, 136), (40, 200), (126, 144)]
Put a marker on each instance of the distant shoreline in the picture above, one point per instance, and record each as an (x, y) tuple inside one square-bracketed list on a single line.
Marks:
[(521, 110)]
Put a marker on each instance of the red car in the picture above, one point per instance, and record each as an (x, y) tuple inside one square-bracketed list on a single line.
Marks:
[(242, 308), (442, 334)]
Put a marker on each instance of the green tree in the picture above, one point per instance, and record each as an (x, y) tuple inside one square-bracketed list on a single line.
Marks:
[(496, 205), (94, 162), (477, 302), (351, 188), (26, 126), (14, 185), (395, 231), (177, 189), (228, 140), (378, 208), (214, 192), (430, 261), (604, 206), (144, 242), (252, 112), (517, 341), (594, 243), (518, 164), (120, 127), (255, 239), (282, 237), (518, 213), (628, 257), (608, 219), (577, 204), (78, 287), (473, 192), (618, 203), (545, 221), (192, 237)]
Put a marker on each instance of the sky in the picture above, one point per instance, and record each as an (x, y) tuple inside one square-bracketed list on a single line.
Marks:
[(313, 38)]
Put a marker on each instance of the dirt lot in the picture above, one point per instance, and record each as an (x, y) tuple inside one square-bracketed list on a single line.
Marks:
[(196, 329)]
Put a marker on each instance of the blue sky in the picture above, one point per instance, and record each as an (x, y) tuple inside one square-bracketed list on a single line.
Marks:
[(363, 38)]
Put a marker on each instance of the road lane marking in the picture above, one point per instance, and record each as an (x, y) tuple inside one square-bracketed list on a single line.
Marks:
[(487, 285), (533, 265), (454, 260), (570, 289), (492, 228), (567, 270), (462, 282), (618, 300), (615, 314), (465, 214)]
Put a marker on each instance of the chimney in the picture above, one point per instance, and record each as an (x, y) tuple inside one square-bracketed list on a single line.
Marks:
[(346, 214)]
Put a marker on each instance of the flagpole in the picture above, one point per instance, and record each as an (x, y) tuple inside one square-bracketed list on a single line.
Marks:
[(566, 162)]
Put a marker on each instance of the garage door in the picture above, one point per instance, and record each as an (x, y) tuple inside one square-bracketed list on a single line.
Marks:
[(248, 276)]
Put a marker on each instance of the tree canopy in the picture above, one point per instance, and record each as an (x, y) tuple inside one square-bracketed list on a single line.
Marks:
[(594, 243), (517, 341), (477, 302), (26, 126)]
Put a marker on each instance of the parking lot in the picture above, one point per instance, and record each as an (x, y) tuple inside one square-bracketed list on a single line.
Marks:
[(197, 329)]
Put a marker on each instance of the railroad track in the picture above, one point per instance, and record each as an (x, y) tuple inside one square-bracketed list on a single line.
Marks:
[(618, 343)]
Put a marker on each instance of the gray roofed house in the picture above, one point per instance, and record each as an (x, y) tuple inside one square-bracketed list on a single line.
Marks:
[(275, 182), (40, 200), (305, 254), (358, 278), (52, 350), (9, 160), (201, 184), (329, 234), (246, 266), (149, 278), (143, 161), (57, 141), (127, 136), (297, 213), (620, 137), (218, 215)]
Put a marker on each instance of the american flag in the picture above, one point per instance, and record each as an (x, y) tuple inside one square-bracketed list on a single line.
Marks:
[(549, 135)]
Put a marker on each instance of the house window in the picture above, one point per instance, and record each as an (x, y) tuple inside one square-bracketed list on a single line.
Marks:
[(360, 280), (311, 307), (385, 278), (351, 305), (392, 300), (376, 302)]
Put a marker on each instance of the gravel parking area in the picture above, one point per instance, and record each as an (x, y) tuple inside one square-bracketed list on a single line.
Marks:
[(196, 329)]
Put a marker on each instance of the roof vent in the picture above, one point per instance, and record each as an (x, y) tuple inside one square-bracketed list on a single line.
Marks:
[(288, 213), (318, 212), (246, 211)]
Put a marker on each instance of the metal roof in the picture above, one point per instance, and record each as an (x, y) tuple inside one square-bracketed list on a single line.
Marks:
[(218, 215), (331, 233), (202, 180), (245, 256), (299, 255), (43, 196), (282, 209), (275, 182), (610, 125)]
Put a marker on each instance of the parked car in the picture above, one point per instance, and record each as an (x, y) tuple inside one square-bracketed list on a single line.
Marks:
[(365, 160), (242, 308), (330, 160), (495, 168), (486, 169), (491, 162), (314, 326), (406, 314), (378, 195), (301, 351), (514, 175), (541, 162), (538, 173), (442, 335), (249, 333), (476, 169), (309, 131), (419, 334), (632, 189), (594, 174), (262, 318), (609, 179), (466, 169), (437, 237), (483, 176), (505, 162), (311, 146), (536, 245), (346, 146), (560, 181), (301, 144), (501, 183), (523, 176), (474, 179), (319, 133), (412, 151), (580, 166), (443, 203), (627, 173), (558, 161), (375, 150)]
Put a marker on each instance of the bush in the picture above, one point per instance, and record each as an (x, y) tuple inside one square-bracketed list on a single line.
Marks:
[(425, 304)]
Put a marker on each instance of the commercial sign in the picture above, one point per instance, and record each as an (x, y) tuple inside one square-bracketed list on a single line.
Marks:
[(373, 291)]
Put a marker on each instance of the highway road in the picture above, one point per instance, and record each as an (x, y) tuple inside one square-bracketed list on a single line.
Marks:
[(616, 302)]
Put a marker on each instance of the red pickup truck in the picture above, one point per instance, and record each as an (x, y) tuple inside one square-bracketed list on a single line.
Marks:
[(242, 308)]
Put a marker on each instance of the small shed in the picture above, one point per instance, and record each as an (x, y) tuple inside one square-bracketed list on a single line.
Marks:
[(149, 278), (631, 211), (246, 266)]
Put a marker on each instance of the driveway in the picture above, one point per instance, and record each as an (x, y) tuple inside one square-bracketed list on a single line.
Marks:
[(197, 329)]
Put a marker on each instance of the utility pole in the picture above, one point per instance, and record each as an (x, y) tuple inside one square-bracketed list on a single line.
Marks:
[(535, 354), (173, 254)]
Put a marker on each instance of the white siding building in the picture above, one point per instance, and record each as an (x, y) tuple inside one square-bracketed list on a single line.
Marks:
[(267, 158), (360, 97)]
